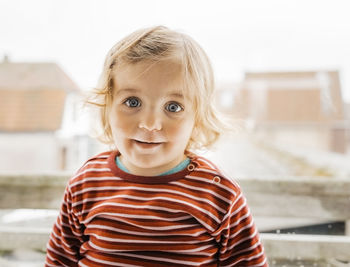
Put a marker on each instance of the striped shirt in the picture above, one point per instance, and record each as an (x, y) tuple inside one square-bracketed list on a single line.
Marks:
[(194, 217)]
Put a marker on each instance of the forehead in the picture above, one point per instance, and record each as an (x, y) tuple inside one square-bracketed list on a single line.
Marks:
[(161, 76)]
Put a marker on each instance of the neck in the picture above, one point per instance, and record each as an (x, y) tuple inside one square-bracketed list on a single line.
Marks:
[(154, 171)]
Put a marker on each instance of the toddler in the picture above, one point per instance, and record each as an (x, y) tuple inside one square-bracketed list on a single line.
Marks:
[(152, 201)]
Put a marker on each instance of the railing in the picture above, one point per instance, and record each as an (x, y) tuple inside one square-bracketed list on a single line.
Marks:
[(303, 197)]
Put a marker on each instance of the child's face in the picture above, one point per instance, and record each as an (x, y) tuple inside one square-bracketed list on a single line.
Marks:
[(150, 118)]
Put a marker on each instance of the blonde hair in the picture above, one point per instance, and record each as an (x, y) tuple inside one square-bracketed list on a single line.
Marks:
[(158, 44)]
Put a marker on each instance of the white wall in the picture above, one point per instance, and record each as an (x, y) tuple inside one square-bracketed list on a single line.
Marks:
[(309, 137), (29, 152)]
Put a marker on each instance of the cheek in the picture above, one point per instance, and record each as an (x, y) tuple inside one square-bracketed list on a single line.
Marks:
[(182, 131), (120, 125)]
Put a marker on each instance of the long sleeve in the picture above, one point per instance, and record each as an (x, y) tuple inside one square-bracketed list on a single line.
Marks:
[(240, 242), (65, 238)]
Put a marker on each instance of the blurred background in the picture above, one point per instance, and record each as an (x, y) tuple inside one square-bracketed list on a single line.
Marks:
[(283, 74)]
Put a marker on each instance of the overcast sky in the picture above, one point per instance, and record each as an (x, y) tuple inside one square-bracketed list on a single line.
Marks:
[(244, 35)]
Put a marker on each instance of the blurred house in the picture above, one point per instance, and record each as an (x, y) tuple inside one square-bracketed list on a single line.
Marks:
[(347, 119), (302, 108), (38, 105), (347, 111)]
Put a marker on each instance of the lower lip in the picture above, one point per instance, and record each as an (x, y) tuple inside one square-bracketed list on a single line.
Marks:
[(147, 145)]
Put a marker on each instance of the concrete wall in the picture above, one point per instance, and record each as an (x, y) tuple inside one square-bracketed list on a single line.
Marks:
[(292, 197)]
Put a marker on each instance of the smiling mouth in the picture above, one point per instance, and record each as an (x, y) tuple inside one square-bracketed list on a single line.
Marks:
[(145, 144)]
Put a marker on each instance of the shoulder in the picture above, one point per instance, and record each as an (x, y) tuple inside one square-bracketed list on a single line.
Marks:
[(96, 166), (214, 177)]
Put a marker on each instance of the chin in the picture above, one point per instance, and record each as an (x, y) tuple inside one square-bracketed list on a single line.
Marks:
[(148, 164)]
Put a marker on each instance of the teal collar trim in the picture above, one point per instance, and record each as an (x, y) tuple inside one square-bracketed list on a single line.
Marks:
[(177, 168)]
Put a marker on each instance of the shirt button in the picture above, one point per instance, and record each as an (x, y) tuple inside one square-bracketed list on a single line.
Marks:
[(190, 167), (216, 179)]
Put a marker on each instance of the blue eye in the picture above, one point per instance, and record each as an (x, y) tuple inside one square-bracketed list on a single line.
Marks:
[(132, 102), (173, 107)]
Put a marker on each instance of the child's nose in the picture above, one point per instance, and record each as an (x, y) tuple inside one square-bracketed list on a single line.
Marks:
[(150, 121)]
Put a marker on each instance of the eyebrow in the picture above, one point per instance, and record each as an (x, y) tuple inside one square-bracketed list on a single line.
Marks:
[(176, 94), (133, 90)]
